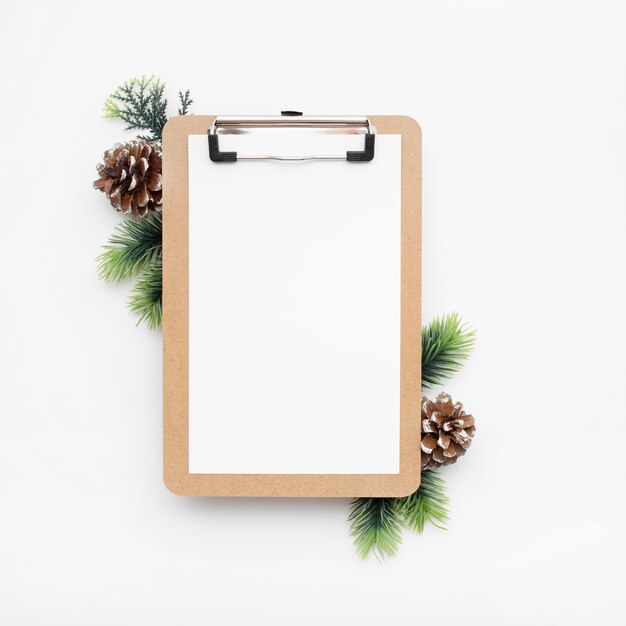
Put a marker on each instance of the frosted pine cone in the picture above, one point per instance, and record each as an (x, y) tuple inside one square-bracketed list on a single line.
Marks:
[(447, 431), (131, 177)]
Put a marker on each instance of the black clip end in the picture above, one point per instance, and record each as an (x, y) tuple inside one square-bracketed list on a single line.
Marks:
[(214, 151), (357, 156)]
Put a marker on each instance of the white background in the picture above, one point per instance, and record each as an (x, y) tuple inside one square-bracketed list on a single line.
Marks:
[(523, 108)]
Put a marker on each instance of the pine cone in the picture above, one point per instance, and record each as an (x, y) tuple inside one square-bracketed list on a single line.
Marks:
[(447, 431), (130, 176)]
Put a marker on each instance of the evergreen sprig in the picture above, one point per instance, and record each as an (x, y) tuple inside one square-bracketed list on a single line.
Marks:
[(376, 526), (185, 102), (446, 343), (146, 296), (377, 523), (132, 247), (135, 248), (141, 104), (428, 504)]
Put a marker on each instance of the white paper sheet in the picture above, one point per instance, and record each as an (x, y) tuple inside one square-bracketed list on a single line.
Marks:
[(294, 308)]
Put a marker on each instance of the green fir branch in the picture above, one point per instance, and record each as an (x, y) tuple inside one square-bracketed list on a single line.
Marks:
[(146, 295), (446, 343), (376, 526), (377, 523), (141, 104), (133, 246), (428, 504), (185, 102)]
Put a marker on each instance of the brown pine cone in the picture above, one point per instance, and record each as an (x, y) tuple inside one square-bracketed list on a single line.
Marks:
[(130, 176), (447, 431)]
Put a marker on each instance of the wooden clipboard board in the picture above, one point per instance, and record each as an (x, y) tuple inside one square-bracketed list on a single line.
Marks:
[(177, 477)]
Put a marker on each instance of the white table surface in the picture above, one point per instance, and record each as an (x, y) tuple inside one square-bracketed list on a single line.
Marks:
[(523, 110)]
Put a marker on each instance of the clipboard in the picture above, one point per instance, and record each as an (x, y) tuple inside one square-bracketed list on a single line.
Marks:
[(224, 140)]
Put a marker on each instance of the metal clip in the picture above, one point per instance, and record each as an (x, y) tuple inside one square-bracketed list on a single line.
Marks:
[(292, 119)]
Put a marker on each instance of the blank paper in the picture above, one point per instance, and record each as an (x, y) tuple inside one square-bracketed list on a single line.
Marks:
[(294, 307)]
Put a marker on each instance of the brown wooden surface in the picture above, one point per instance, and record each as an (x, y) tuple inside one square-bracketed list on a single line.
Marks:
[(176, 335)]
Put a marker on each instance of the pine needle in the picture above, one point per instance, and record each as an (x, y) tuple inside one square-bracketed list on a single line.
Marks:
[(185, 102), (446, 343), (133, 246), (376, 526), (141, 104), (428, 504), (145, 297), (377, 523)]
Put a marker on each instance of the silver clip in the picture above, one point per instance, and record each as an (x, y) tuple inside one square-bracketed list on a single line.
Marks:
[(347, 124)]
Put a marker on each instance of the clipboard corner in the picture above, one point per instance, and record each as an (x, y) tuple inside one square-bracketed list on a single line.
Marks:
[(409, 486), (176, 483), (410, 124), (175, 124)]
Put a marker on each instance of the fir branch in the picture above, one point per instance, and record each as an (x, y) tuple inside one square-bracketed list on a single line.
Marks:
[(133, 246), (376, 526), (185, 102), (446, 343), (141, 105), (145, 297), (428, 504), (377, 523)]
